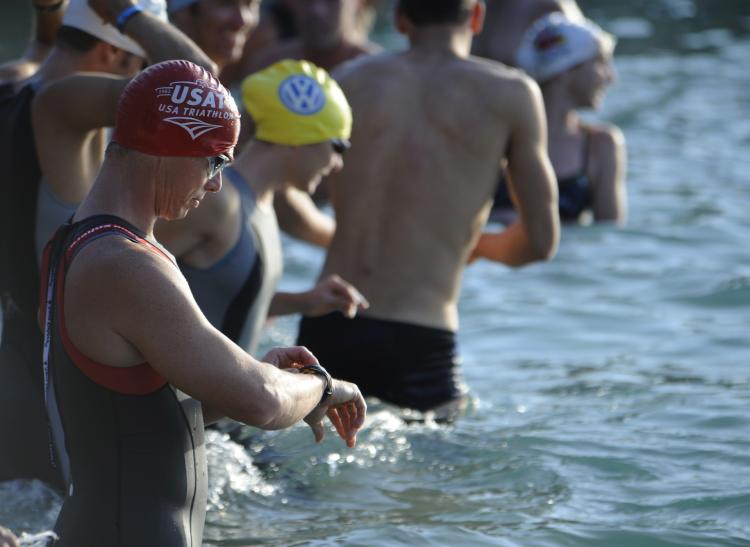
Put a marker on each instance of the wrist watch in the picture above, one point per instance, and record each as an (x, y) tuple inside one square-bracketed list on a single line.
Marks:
[(323, 373)]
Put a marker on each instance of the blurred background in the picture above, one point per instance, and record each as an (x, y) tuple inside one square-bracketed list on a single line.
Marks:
[(641, 25), (611, 385)]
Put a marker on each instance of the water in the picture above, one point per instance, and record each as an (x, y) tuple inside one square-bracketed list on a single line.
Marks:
[(611, 385)]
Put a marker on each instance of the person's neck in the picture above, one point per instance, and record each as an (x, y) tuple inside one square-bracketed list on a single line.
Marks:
[(440, 39), (122, 192), (323, 47), (562, 118), (259, 166)]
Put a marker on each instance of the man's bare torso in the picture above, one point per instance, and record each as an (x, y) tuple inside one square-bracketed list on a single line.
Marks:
[(430, 131)]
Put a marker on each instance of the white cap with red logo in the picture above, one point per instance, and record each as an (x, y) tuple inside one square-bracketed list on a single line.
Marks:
[(554, 44)]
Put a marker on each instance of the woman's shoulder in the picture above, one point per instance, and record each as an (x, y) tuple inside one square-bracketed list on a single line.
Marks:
[(603, 135)]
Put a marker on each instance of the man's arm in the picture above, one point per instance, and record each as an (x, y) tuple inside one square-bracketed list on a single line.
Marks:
[(146, 302), (160, 40), (90, 101), (63, 135), (299, 217), (536, 233), (48, 16)]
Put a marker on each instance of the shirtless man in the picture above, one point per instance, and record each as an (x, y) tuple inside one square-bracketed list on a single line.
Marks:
[(85, 44), (507, 21), (126, 346), (219, 27), (432, 125), (327, 35)]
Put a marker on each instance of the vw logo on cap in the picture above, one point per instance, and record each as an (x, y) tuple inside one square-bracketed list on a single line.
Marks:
[(302, 95)]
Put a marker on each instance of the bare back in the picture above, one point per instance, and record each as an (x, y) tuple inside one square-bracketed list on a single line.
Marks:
[(430, 131)]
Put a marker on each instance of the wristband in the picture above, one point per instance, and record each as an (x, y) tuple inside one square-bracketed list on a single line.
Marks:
[(53, 7), (125, 16), (323, 373)]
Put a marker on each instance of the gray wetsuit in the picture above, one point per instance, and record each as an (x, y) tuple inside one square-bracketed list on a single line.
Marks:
[(235, 293), (51, 213)]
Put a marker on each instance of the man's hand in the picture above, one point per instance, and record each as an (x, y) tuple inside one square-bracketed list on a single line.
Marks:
[(291, 357), (335, 294), (346, 408)]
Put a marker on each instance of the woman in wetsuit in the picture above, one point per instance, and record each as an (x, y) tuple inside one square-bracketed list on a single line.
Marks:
[(572, 61)]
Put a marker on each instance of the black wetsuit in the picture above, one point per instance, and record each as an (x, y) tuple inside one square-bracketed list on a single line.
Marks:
[(411, 366), (23, 425), (132, 443), (575, 193)]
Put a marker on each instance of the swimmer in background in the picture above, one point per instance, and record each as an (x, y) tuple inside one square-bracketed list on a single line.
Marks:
[(431, 127), (219, 27), (229, 249), (277, 24), (329, 34), (572, 61)]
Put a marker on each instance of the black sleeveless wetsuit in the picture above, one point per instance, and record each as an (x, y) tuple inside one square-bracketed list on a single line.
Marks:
[(23, 424), (132, 443)]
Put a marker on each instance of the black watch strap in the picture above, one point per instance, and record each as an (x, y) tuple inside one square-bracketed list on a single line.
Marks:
[(323, 373)]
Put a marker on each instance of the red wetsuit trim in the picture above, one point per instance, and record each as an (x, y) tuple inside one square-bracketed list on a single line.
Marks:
[(135, 380)]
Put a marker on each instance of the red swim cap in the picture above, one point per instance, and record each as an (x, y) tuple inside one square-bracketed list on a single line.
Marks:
[(176, 108)]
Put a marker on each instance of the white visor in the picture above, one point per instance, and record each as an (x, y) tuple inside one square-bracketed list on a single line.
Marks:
[(79, 15)]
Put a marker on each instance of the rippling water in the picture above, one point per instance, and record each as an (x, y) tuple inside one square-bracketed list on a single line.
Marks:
[(611, 388)]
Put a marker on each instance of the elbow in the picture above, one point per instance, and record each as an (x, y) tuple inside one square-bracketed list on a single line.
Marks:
[(545, 251), (536, 253), (543, 243)]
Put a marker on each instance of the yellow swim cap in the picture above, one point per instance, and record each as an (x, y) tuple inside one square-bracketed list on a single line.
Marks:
[(296, 103)]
